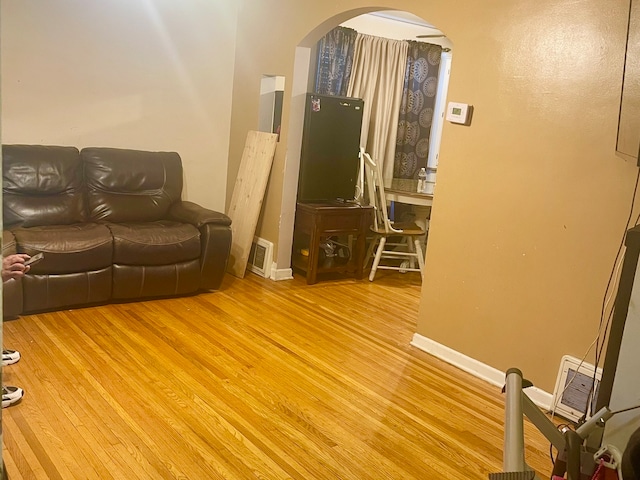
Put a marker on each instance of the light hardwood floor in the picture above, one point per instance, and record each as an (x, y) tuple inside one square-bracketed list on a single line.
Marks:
[(262, 379)]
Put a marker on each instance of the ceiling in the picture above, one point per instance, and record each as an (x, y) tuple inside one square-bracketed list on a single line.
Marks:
[(406, 17)]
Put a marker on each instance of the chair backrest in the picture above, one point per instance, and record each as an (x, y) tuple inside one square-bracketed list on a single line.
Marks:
[(375, 190)]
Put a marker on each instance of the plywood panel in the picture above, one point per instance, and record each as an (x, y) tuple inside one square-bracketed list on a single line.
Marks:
[(248, 195)]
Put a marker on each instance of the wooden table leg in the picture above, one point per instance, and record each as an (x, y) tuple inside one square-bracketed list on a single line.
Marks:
[(314, 254)]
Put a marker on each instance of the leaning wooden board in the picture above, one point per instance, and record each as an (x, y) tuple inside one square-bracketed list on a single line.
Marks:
[(248, 195)]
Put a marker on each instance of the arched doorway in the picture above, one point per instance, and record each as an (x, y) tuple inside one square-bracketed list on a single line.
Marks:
[(302, 83)]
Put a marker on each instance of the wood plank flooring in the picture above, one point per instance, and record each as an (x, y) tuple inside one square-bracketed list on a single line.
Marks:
[(260, 380)]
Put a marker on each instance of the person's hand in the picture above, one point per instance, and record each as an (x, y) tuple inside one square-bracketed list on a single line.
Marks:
[(13, 266)]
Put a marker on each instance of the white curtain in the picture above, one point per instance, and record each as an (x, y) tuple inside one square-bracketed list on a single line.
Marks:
[(377, 76)]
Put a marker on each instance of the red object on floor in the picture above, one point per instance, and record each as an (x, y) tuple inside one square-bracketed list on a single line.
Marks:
[(604, 473)]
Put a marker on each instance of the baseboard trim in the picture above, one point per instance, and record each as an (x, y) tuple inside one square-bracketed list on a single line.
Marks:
[(278, 274), (476, 368)]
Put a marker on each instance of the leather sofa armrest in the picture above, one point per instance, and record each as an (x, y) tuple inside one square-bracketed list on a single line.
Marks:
[(189, 212), (215, 243), (215, 240)]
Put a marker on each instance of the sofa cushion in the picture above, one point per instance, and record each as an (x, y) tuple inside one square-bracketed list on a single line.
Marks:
[(67, 248), (41, 185), (9, 246), (130, 185), (154, 243)]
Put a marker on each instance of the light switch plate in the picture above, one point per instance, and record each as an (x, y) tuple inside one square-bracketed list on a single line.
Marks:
[(459, 113)]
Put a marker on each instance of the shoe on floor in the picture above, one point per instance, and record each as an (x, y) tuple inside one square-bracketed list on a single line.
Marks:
[(11, 395), (9, 357)]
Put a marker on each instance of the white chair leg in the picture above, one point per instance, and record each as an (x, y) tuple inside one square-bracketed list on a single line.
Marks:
[(420, 257), (372, 245), (411, 248), (376, 260)]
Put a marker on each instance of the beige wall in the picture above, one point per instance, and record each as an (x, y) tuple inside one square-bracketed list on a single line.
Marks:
[(147, 74), (531, 200)]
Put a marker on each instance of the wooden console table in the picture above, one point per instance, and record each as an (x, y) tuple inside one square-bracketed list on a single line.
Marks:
[(316, 222)]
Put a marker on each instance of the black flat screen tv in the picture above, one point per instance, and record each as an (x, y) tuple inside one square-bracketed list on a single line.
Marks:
[(330, 148)]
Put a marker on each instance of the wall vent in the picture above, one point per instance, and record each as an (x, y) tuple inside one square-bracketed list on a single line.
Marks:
[(571, 396), (261, 257)]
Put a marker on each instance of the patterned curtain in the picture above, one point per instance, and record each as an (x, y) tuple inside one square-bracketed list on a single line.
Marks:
[(416, 113), (335, 58)]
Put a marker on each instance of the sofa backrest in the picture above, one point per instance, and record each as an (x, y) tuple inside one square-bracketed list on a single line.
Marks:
[(130, 185), (41, 185)]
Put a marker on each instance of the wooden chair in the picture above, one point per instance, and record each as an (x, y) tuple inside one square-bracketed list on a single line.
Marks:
[(407, 247)]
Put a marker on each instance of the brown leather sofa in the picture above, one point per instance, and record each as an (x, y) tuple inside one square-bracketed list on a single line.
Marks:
[(112, 227)]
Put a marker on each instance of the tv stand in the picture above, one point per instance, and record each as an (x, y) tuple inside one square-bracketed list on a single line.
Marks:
[(317, 222)]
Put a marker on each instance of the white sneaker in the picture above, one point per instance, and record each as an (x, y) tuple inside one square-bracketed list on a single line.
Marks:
[(9, 357), (11, 395)]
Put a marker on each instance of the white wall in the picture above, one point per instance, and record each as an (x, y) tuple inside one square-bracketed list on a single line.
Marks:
[(146, 74), (397, 26)]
